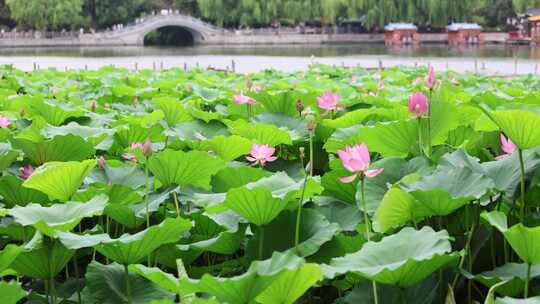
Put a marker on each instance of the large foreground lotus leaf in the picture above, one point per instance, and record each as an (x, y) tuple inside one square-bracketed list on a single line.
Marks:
[(129, 249), (230, 147), (262, 133), (42, 258), (174, 110), (445, 116), (524, 240), (58, 217), (59, 148), (402, 259), (513, 274), (315, 230), (107, 284), (11, 292), (284, 275), (15, 194), (520, 126), (388, 138), (257, 205), (193, 168), (59, 180)]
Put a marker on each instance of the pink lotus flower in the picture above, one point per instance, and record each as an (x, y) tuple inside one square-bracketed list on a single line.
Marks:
[(354, 79), (417, 81), (260, 154), (130, 157), (418, 104), (4, 122), (507, 146), (328, 101), (102, 162), (431, 78), (26, 171), (356, 159), (380, 85), (243, 99), (145, 147)]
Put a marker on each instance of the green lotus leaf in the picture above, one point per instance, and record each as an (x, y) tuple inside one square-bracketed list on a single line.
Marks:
[(262, 133), (129, 249), (97, 137), (42, 258), (277, 101), (54, 114), (155, 275), (445, 116), (294, 126), (520, 126), (193, 168), (315, 230), (126, 135), (60, 148), (230, 147), (345, 192), (284, 187), (173, 109), (401, 259), (133, 215), (257, 205), (513, 274), (15, 194), (121, 174), (290, 285), (524, 240), (59, 180), (388, 138), (11, 292), (395, 209), (508, 300), (107, 284), (58, 217), (347, 216), (7, 155), (260, 276), (222, 181), (8, 255), (209, 235), (198, 130)]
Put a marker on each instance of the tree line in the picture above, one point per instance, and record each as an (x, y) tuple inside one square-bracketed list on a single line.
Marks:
[(372, 14)]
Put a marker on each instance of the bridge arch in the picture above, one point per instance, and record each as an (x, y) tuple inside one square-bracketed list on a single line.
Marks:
[(134, 34)]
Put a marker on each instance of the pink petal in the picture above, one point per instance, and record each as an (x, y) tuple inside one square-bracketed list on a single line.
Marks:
[(251, 159), (348, 179), (271, 158), (373, 172)]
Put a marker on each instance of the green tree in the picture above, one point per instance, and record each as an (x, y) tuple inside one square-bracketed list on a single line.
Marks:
[(46, 14), (521, 6)]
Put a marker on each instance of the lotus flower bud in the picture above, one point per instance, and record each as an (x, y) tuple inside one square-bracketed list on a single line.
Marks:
[(300, 106)]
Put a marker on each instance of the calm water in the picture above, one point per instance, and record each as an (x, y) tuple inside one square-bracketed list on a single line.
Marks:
[(494, 59)]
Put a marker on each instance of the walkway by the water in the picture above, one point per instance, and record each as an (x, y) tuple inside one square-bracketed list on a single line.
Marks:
[(246, 64)]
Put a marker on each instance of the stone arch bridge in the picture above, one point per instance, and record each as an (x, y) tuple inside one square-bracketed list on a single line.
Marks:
[(134, 34)]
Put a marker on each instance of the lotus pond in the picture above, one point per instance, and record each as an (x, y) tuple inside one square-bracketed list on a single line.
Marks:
[(334, 185)]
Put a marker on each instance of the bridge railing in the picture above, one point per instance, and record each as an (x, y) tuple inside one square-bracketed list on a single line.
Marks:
[(39, 35)]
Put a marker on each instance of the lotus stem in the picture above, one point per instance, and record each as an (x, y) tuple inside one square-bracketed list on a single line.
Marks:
[(467, 250), (420, 141), (522, 177), (177, 205), (311, 153), (146, 193), (299, 215), (368, 233), (261, 242), (128, 284), (429, 124), (526, 292), (76, 270)]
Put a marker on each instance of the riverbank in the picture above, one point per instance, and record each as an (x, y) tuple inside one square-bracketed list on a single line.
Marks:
[(102, 39)]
